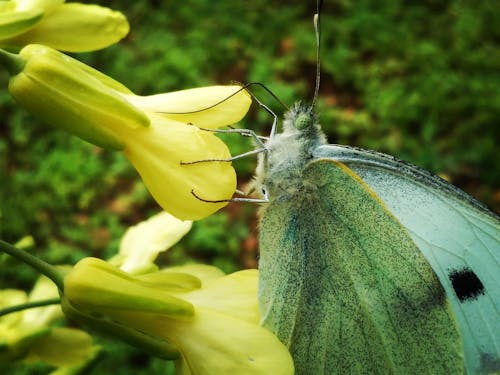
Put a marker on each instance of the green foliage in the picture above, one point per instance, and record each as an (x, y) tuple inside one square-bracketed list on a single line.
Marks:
[(424, 76), (415, 79)]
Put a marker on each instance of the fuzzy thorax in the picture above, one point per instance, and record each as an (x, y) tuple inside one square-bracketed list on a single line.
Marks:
[(280, 169)]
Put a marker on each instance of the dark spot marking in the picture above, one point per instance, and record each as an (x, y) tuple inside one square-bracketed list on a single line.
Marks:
[(466, 284), (489, 363)]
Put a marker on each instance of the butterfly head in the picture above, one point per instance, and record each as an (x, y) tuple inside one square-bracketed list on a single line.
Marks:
[(301, 118), (304, 119)]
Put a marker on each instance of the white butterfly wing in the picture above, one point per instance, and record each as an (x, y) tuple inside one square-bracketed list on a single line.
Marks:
[(458, 235)]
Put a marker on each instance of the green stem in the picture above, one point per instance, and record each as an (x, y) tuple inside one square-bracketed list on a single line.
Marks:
[(29, 305), (43, 267), (12, 62)]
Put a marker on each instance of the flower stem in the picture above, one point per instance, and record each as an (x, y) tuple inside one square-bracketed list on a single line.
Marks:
[(43, 267), (12, 62), (29, 305)]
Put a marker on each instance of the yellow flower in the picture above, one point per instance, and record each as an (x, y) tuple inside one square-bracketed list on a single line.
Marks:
[(70, 27), (158, 150), (157, 133), (207, 321), (210, 329)]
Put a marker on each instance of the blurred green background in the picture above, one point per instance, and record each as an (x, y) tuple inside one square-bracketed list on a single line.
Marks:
[(415, 79)]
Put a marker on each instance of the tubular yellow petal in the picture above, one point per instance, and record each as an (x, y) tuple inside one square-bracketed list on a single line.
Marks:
[(15, 23), (157, 152), (142, 243), (206, 107), (76, 27), (234, 295)]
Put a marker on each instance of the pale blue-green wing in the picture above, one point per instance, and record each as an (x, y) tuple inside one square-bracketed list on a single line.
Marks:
[(459, 237), (344, 286)]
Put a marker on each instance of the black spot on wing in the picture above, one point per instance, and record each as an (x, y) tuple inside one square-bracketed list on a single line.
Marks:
[(489, 364), (466, 284)]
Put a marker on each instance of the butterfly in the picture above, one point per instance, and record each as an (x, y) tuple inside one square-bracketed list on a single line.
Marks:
[(369, 264)]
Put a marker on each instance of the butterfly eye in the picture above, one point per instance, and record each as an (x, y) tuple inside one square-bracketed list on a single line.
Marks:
[(303, 121)]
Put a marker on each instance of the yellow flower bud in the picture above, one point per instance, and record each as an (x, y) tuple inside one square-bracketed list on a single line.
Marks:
[(56, 89), (70, 27), (97, 287), (105, 298)]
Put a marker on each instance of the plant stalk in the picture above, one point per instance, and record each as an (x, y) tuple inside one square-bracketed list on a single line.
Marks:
[(12, 62), (43, 267), (29, 305)]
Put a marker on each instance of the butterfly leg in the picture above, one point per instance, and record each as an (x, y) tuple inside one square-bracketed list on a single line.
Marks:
[(235, 199), (245, 132), (245, 154)]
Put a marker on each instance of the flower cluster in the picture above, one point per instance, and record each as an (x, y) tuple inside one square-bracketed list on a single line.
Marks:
[(205, 320)]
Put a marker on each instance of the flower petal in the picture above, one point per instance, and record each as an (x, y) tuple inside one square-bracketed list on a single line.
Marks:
[(215, 343), (63, 347), (14, 23), (41, 316), (234, 295), (157, 152), (7, 6), (76, 27), (142, 243), (46, 5), (173, 282), (11, 297), (207, 274), (206, 107)]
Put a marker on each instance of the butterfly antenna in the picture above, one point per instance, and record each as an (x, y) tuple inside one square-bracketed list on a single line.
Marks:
[(242, 88), (317, 31), (273, 95)]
